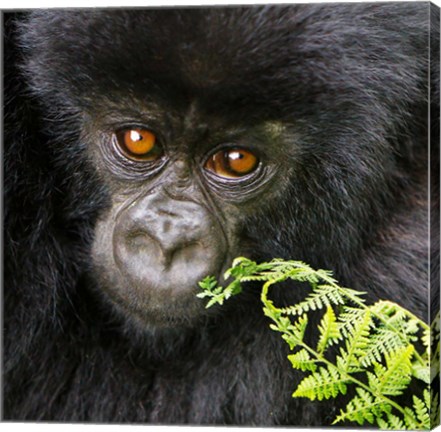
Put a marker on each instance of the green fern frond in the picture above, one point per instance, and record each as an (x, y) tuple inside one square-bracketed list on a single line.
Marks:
[(293, 334), (364, 407), (427, 338), (397, 319), (422, 372), (383, 424), (392, 422), (260, 278), (381, 347), (422, 411), (329, 330), (323, 384), (211, 290), (348, 318), (302, 360), (434, 404), (396, 375), (395, 423), (356, 343), (384, 341), (410, 419), (323, 295)]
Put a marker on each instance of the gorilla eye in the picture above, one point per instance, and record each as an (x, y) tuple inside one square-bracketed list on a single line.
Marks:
[(232, 163), (139, 144)]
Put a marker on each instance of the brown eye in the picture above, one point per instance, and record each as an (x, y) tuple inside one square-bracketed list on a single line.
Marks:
[(232, 163), (139, 143)]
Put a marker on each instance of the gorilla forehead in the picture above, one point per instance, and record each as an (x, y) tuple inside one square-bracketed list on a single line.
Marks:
[(214, 50), (203, 45), (262, 54)]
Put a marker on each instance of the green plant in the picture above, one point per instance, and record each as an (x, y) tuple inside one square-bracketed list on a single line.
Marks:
[(378, 349)]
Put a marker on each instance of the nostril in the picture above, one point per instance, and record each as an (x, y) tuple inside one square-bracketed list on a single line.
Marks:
[(166, 212), (137, 233), (142, 245), (138, 240), (188, 252), (166, 226)]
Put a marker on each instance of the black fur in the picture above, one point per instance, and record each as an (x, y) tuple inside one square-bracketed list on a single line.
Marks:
[(350, 82)]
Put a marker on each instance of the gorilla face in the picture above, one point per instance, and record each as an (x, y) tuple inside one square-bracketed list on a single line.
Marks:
[(176, 210)]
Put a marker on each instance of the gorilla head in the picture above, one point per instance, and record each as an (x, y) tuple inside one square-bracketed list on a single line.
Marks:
[(195, 134), (146, 149)]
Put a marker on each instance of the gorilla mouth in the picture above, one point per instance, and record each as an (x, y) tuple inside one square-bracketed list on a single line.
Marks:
[(162, 311)]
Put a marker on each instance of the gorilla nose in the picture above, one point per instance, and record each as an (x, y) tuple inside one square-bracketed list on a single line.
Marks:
[(176, 236), (169, 244)]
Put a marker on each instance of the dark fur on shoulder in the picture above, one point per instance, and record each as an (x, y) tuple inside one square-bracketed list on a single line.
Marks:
[(350, 84)]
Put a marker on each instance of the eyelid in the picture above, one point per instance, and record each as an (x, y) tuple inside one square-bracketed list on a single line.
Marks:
[(123, 168)]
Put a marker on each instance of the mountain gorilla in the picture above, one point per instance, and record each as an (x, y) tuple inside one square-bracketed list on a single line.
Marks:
[(145, 149)]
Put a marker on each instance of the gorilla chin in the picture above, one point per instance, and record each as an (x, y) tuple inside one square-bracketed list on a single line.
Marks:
[(159, 312)]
